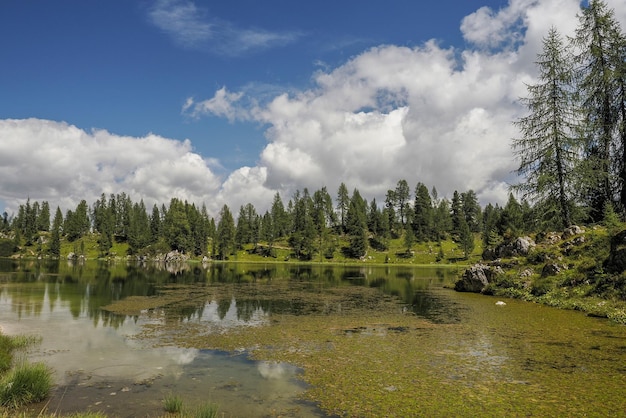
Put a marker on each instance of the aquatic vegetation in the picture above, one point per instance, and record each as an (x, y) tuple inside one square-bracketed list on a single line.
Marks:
[(207, 410), (173, 403)]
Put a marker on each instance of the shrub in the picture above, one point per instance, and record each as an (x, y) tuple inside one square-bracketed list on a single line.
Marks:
[(25, 384)]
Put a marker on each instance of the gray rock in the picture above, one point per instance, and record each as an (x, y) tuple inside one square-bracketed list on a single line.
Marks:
[(571, 231), (519, 247), (476, 278)]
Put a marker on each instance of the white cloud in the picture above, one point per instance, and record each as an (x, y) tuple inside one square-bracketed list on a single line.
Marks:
[(63, 164), (182, 20), (424, 114), (192, 27), (222, 104)]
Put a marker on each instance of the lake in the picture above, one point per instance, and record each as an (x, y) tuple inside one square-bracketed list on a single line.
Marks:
[(305, 341)]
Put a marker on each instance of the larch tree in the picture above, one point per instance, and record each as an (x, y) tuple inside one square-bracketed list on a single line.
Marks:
[(549, 147), (600, 59)]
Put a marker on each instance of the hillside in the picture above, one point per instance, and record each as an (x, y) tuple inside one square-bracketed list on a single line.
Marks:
[(581, 269)]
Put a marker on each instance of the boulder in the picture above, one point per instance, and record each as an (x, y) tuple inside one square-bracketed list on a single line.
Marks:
[(519, 247), (552, 269), (571, 231), (476, 278)]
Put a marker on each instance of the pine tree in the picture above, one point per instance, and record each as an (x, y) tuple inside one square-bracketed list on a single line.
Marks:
[(225, 234), (343, 203), (549, 148), (356, 226), (600, 61), (402, 195), (423, 217)]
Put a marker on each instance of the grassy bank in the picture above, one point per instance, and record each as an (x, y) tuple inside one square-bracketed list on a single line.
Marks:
[(20, 382), (421, 253), (568, 272)]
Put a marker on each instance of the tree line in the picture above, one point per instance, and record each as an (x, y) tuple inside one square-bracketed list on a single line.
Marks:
[(311, 225)]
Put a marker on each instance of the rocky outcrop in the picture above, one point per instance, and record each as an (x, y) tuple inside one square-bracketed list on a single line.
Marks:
[(519, 247), (476, 278)]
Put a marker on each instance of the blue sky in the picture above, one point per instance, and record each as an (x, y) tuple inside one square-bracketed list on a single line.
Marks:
[(255, 88)]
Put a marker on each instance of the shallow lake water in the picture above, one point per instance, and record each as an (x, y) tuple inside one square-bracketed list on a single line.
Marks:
[(519, 359)]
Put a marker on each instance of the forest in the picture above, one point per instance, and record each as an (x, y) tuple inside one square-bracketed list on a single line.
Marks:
[(572, 161)]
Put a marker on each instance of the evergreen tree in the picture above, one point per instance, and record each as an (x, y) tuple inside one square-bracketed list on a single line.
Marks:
[(356, 226), (55, 239), (409, 240), (466, 238), (402, 196), (303, 230), (457, 215), (600, 62), (511, 222), (176, 228), (155, 223), (280, 218), (423, 217), (491, 217), (43, 217), (442, 223), (225, 236), (471, 210), (323, 216), (139, 235), (343, 203), (548, 150)]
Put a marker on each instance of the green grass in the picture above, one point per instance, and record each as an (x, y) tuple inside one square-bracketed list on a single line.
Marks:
[(424, 253), (24, 384), (173, 404), (207, 410), (581, 285)]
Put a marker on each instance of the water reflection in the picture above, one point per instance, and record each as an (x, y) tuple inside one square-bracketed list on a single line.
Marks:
[(84, 288)]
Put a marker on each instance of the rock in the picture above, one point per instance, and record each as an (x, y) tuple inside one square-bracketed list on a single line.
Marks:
[(552, 269), (616, 262), (476, 278), (571, 231), (552, 238), (519, 247)]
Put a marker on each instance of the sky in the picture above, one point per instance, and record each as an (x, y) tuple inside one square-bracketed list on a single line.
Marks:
[(231, 102)]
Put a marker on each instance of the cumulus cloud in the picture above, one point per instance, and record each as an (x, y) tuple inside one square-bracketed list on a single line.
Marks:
[(428, 114), (62, 164), (191, 27), (424, 114)]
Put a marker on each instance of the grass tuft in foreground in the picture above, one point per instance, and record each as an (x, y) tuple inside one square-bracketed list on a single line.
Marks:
[(173, 404), (26, 383)]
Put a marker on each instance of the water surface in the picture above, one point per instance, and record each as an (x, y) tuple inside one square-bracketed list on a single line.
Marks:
[(475, 357)]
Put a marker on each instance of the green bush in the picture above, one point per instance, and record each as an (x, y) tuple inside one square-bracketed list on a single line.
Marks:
[(541, 286)]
